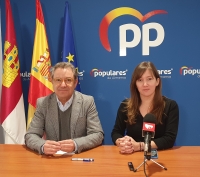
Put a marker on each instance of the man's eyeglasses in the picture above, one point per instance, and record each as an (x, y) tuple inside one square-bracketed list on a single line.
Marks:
[(67, 81)]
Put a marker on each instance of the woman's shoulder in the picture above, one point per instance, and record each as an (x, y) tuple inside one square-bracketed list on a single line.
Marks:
[(123, 103), (169, 101)]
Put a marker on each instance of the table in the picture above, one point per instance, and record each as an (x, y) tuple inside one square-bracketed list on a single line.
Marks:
[(19, 161)]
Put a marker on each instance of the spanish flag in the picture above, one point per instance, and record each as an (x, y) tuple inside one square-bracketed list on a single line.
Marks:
[(41, 63), (12, 116)]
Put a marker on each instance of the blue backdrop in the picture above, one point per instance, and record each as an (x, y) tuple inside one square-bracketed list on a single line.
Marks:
[(174, 48)]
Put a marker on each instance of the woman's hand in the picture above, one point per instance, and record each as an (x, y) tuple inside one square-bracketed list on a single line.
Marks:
[(127, 145)]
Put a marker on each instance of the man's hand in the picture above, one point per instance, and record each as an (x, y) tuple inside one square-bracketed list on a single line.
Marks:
[(51, 147), (67, 145)]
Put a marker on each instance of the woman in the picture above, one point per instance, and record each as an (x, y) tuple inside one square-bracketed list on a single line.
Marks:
[(146, 97)]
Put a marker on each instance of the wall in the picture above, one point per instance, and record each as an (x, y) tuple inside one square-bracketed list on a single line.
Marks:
[(177, 57)]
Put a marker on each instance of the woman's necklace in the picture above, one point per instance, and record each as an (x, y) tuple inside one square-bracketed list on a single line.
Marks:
[(148, 110)]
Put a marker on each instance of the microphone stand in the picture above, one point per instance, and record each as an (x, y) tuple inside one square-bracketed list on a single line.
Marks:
[(147, 156)]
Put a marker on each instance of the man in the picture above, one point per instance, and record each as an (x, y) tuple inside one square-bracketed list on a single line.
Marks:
[(68, 118)]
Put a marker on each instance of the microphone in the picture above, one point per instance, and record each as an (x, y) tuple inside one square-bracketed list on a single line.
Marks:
[(148, 131)]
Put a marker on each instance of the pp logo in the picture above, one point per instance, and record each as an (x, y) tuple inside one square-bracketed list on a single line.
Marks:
[(138, 34)]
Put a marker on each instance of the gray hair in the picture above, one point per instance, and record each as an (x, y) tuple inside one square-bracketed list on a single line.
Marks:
[(64, 65)]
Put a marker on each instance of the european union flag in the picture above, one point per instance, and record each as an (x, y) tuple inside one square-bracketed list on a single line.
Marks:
[(68, 53)]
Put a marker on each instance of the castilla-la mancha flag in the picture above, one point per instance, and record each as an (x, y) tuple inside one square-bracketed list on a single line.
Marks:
[(12, 114), (39, 81)]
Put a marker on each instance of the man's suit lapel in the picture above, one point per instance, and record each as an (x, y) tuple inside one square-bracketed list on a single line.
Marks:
[(53, 114), (76, 107)]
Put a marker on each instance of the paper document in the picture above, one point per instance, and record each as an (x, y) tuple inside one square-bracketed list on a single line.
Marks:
[(60, 153)]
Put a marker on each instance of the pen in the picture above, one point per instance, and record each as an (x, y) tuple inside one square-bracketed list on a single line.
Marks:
[(83, 159)]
